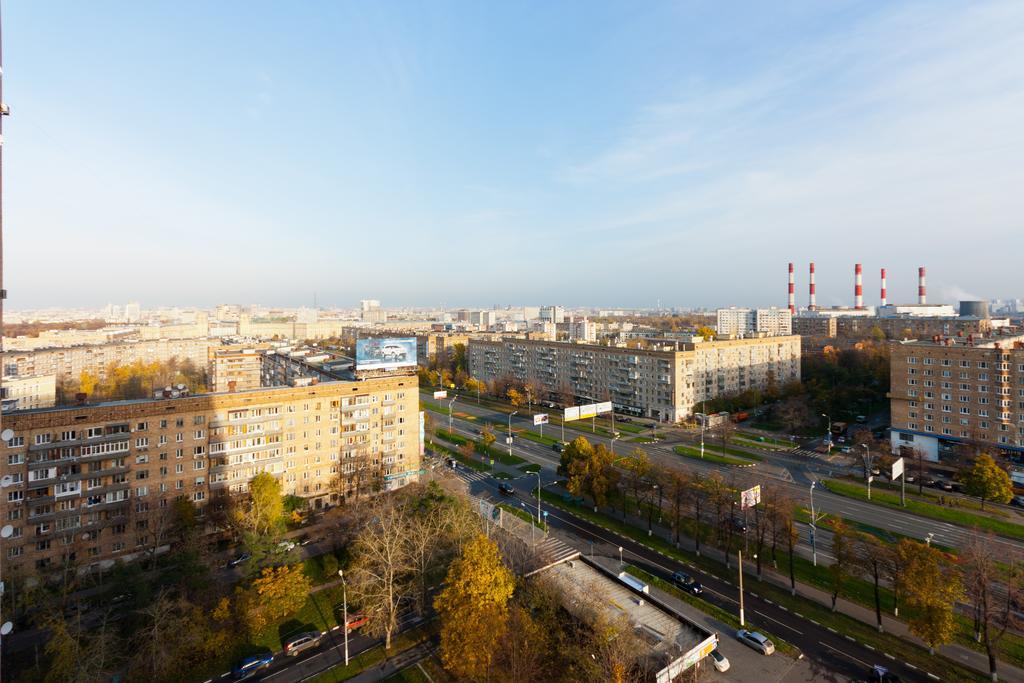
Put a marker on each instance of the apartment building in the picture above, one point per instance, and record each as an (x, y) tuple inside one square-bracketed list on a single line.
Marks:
[(236, 368), (25, 392), (742, 322), (68, 363), (663, 383), (951, 390), (94, 483)]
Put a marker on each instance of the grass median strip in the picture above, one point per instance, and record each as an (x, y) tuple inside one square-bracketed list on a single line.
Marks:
[(712, 456), (376, 655), (952, 515)]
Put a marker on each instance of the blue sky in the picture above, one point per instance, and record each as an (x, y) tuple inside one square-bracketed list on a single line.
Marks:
[(475, 153)]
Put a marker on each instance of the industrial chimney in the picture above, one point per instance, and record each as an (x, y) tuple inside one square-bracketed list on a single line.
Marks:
[(858, 287), (921, 297), (883, 287), (792, 292), (812, 303)]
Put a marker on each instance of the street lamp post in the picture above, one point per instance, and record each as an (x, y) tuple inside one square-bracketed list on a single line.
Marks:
[(620, 557), (814, 548), (739, 554), (828, 432), (928, 539), (344, 610), (867, 467), (450, 404), (533, 542), (538, 496), (703, 421), (510, 431)]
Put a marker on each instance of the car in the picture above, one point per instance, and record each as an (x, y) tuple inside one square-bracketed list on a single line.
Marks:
[(250, 665), (947, 485), (306, 539), (505, 489), (719, 660), (842, 439), (557, 447), (1017, 500), (739, 525), (286, 546), (239, 559), (931, 481), (880, 674), (120, 598), (755, 640), (357, 620), (393, 352), (909, 478), (876, 471), (845, 449), (687, 583), (302, 642), (861, 419)]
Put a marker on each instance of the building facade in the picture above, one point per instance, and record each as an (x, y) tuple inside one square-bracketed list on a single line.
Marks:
[(948, 391), (742, 322), (94, 483), (236, 368), (663, 383), (27, 392)]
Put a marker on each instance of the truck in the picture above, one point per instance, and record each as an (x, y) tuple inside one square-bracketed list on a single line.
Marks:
[(839, 428)]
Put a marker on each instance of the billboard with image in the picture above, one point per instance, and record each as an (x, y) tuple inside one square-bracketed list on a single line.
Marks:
[(385, 353)]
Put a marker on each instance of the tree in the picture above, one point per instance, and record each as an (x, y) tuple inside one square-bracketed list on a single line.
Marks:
[(277, 593), (791, 535), (473, 608), (842, 552), (988, 481), (706, 332), (522, 651), (994, 610), (515, 397), (680, 489), (594, 475), (381, 570), (79, 655), (637, 466), (870, 556), (933, 590), (487, 437), (578, 449), (725, 431), (172, 637), (266, 506), (87, 382), (793, 413)]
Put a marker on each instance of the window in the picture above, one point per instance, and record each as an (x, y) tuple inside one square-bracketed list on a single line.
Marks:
[(43, 438), (16, 441), (142, 426), (94, 432)]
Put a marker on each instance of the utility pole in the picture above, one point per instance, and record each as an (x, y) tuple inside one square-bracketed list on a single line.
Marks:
[(739, 554)]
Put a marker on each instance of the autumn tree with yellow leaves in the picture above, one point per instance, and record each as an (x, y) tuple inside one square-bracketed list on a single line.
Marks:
[(473, 609), (276, 593)]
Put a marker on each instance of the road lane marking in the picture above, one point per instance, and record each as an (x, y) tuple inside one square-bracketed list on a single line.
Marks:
[(848, 656), (779, 622)]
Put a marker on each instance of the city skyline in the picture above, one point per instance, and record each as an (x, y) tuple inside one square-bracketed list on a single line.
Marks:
[(457, 154)]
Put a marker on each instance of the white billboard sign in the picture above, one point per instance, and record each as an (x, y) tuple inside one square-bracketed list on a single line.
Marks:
[(440, 394), (602, 408), (897, 469), (540, 419), (571, 414), (589, 410), (750, 497)]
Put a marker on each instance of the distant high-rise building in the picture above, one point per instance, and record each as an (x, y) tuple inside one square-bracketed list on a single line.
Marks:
[(554, 314), (372, 312), (132, 312), (741, 322)]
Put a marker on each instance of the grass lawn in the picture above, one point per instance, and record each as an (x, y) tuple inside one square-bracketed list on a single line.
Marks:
[(458, 457), (711, 456), (952, 515), (756, 438), (499, 454), (521, 514)]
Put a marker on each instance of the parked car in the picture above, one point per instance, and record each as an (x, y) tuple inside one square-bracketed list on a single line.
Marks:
[(286, 546), (756, 640), (931, 481), (250, 665), (947, 485), (302, 642), (357, 620), (505, 489), (719, 660), (687, 583), (909, 478), (861, 419), (239, 559), (879, 674)]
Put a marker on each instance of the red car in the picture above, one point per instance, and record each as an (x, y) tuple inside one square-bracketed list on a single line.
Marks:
[(357, 620)]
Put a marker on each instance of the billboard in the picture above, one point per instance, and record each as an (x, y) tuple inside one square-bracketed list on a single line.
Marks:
[(540, 419), (751, 497), (440, 394), (897, 469), (375, 353), (571, 414), (602, 408)]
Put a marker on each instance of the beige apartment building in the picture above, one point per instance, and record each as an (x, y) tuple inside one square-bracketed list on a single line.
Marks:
[(236, 368), (664, 383), (94, 483), (68, 363), (25, 392), (951, 390)]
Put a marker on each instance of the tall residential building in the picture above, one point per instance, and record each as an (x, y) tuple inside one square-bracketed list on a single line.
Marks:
[(132, 312), (235, 368), (30, 391), (742, 322), (93, 484), (484, 319), (552, 314), (951, 390), (663, 383)]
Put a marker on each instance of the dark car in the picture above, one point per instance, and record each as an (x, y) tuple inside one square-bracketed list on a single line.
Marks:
[(739, 525), (505, 489), (879, 674), (240, 559), (687, 583), (557, 447), (250, 665)]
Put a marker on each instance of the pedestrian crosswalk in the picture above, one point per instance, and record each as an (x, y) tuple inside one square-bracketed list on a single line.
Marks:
[(470, 475), (805, 452)]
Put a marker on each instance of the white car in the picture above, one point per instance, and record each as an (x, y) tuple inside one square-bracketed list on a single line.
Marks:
[(393, 352), (757, 641), (719, 660), (286, 546)]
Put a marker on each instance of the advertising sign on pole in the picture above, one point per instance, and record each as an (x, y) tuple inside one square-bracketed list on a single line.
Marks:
[(602, 408), (897, 469), (750, 497), (589, 410), (571, 414), (540, 419), (441, 394)]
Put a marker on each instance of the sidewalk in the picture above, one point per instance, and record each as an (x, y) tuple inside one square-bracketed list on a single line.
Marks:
[(393, 665), (977, 661)]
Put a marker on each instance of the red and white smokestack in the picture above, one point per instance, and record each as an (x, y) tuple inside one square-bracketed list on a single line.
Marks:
[(792, 291), (921, 297), (883, 287), (858, 287), (812, 299)]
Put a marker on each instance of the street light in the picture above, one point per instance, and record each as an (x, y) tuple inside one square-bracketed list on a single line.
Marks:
[(928, 539), (510, 431), (450, 404), (620, 557), (538, 496), (867, 467), (344, 610), (814, 549), (828, 432), (703, 421)]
